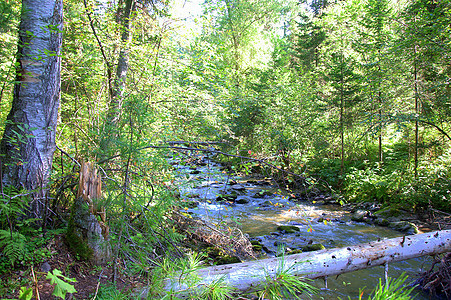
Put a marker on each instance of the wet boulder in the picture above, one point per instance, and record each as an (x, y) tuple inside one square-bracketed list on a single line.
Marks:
[(359, 215), (256, 246), (392, 213), (266, 204), (242, 201), (288, 228), (381, 222), (227, 197), (313, 247), (262, 194), (404, 226)]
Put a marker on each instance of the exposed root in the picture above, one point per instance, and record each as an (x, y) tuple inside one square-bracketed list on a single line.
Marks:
[(229, 239), (437, 281)]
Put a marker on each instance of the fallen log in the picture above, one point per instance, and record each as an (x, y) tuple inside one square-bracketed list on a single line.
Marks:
[(248, 276)]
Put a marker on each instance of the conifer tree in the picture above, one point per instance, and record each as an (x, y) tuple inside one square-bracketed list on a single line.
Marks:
[(373, 47)]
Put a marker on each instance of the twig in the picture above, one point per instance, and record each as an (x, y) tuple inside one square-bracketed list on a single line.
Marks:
[(35, 283), (98, 285), (147, 205), (440, 212), (91, 23), (65, 153)]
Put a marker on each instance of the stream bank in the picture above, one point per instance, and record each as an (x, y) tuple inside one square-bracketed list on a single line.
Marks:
[(277, 222)]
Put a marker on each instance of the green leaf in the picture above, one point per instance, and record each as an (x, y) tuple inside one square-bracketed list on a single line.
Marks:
[(25, 293), (61, 286)]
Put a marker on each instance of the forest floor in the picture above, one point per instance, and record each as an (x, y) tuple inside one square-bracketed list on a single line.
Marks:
[(88, 277)]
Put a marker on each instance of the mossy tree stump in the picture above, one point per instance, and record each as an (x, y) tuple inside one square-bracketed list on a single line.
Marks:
[(87, 233)]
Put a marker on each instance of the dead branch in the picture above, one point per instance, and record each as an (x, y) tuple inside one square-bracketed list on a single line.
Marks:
[(229, 239)]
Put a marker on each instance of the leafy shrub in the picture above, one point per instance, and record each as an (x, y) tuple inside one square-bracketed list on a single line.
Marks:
[(368, 184)]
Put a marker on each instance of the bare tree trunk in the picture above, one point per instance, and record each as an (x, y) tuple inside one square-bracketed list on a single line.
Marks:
[(115, 108), (381, 123), (28, 142), (342, 130), (248, 276), (417, 110), (113, 116)]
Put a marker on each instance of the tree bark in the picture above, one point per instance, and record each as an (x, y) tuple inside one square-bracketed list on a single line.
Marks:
[(28, 141), (417, 110), (247, 276), (115, 107)]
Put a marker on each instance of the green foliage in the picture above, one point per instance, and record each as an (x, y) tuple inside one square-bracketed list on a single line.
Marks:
[(217, 290), (432, 187), (19, 240), (393, 289), (309, 37), (9, 19), (110, 292), (322, 86), (12, 245), (369, 184), (393, 183), (284, 284), (12, 205), (25, 293), (61, 282), (24, 249)]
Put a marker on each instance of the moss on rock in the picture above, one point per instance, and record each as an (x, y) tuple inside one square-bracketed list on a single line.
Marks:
[(313, 247), (288, 228)]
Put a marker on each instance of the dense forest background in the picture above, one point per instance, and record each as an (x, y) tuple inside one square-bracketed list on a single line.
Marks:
[(353, 95)]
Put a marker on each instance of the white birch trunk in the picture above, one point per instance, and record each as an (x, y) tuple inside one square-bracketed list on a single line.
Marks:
[(28, 142), (248, 275)]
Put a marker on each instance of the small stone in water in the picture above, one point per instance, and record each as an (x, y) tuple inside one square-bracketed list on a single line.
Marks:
[(288, 228), (238, 187), (313, 247), (242, 201)]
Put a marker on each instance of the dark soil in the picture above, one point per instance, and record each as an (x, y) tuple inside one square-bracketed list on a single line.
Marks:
[(89, 277)]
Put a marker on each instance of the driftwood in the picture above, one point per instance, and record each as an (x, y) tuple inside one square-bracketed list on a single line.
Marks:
[(249, 275), (437, 281), (227, 238)]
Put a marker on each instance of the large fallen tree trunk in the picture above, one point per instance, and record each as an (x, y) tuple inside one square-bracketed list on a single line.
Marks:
[(247, 276)]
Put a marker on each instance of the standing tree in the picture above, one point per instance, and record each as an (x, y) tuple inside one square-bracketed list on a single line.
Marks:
[(126, 13), (28, 141), (340, 71), (343, 80), (374, 38), (307, 41)]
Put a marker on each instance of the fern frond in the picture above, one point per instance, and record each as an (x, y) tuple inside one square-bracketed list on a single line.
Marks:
[(12, 245)]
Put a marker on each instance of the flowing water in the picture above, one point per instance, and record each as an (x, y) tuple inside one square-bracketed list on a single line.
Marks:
[(261, 213)]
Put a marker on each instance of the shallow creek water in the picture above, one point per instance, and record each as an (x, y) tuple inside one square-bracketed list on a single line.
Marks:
[(329, 225)]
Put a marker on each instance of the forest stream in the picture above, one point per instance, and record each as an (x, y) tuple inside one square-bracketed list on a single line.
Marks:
[(259, 208)]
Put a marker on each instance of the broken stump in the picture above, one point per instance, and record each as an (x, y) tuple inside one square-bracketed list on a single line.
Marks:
[(87, 233)]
